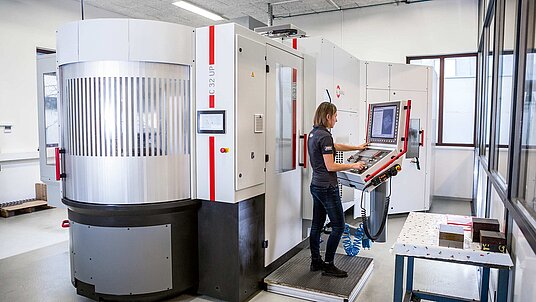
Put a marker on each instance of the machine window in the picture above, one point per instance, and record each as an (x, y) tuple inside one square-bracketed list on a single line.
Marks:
[(285, 118)]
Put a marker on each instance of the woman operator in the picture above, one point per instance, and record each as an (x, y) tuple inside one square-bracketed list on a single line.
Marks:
[(325, 188)]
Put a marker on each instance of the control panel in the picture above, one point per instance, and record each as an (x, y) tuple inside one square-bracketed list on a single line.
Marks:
[(369, 156), (387, 132)]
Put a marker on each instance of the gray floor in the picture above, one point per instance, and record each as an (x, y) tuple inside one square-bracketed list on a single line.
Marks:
[(35, 264)]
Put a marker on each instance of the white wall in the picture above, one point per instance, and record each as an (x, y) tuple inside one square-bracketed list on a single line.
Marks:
[(25, 25), (389, 33), (453, 175)]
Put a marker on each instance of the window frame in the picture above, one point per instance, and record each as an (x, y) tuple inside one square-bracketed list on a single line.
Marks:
[(441, 98)]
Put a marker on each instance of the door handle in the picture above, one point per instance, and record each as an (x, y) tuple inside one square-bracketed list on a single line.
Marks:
[(304, 164), (421, 143), (57, 152)]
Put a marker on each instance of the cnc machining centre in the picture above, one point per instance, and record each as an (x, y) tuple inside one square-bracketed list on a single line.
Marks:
[(125, 157)]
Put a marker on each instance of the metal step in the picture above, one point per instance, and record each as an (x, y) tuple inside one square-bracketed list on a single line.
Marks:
[(296, 280)]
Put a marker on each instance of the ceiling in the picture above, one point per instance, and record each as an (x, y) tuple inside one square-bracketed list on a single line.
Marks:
[(163, 10)]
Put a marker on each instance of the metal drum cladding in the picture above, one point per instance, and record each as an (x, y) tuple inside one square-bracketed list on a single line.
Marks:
[(126, 131)]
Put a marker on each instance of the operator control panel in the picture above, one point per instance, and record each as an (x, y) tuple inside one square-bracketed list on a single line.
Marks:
[(387, 131), (369, 156)]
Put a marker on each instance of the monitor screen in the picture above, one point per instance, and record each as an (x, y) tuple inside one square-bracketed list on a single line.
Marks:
[(383, 122)]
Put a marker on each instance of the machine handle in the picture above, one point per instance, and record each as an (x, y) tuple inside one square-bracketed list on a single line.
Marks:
[(422, 137), (57, 152), (57, 156), (304, 164)]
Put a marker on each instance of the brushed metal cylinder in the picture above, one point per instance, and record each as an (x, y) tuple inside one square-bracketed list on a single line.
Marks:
[(126, 132)]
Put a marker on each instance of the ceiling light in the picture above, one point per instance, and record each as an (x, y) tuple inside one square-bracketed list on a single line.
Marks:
[(198, 10)]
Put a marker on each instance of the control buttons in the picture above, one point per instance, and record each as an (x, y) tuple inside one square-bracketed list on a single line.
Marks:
[(224, 150)]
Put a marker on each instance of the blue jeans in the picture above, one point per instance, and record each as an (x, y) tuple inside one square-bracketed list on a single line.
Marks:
[(326, 201)]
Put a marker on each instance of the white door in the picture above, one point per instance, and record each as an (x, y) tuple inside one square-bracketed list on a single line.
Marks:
[(284, 93), (409, 187), (49, 128)]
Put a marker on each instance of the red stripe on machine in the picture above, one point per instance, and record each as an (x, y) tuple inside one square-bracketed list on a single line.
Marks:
[(212, 167), (295, 43), (211, 45), (368, 123), (211, 101)]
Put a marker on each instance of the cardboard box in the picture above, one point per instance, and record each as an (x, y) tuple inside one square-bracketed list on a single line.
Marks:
[(451, 236), (492, 241), (483, 224), (40, 191)]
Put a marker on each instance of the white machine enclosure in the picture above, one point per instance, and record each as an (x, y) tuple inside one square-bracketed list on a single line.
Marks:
[(352, 85), (249, 95), (230, 85), (331, 74), (380, 82)]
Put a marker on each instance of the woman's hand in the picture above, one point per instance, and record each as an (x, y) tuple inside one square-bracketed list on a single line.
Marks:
[(359, 165), (363, 146)]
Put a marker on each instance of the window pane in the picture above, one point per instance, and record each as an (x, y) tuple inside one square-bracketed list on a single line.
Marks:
[(481, 193), (528, 136), (459, 100), (285, 123), (488, 87), (52, 132), (506, 67)]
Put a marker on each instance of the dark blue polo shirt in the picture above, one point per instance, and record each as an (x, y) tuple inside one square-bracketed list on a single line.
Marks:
[(321, 142)]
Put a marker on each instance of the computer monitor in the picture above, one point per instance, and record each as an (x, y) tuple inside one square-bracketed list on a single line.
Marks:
[(383, 123)]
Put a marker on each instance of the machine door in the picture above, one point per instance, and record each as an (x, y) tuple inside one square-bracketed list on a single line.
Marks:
[(49, 128), (410, 186), (284, 93)]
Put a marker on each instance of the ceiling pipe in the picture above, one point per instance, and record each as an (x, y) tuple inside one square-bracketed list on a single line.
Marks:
[(270, 14)]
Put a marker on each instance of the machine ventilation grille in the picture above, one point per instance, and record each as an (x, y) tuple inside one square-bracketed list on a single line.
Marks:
[(126, 116), (339, 158)]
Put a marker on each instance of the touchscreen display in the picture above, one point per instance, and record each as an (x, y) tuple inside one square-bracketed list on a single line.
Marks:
[(383, 122)]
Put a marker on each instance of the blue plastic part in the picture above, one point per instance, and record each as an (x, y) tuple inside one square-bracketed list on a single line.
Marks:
[(352, 247)]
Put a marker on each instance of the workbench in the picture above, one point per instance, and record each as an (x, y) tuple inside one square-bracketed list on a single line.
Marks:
[(419, 238)]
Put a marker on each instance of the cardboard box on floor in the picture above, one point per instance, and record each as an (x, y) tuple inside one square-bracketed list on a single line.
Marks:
[(40, 191)]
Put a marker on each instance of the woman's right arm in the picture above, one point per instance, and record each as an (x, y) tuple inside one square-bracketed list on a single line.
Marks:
[(332, 166)]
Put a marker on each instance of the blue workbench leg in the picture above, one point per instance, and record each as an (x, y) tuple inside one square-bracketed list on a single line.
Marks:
[(399, 278), (484, 286), (502, 285), (409, 274)]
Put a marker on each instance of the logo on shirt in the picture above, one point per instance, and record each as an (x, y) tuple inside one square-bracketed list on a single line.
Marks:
[(328, 148)]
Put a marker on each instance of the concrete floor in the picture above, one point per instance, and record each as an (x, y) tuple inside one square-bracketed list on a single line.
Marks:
[(34, 262)]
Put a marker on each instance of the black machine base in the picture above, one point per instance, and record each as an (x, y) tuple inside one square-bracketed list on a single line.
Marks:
[(180, 215)]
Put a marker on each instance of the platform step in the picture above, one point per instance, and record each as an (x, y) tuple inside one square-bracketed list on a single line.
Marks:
[(296, 280), (26, 207)]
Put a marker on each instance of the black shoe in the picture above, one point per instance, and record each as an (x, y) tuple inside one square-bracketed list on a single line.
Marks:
[(332, 271), (317, 265)]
